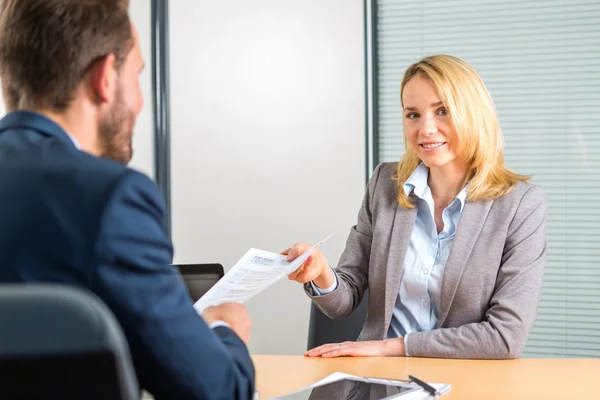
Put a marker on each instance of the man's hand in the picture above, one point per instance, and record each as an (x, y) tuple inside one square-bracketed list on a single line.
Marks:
[(371, 348), (234, 315)]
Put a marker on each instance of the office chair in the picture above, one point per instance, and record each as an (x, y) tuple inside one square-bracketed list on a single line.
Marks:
[(323, 329), (199, 278), (59, 342)]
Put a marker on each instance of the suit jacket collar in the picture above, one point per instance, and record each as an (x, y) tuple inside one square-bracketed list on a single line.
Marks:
[(417, 181), (37, 122)]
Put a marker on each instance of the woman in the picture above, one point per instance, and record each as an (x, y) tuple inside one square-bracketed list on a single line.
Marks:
[(450, 243)]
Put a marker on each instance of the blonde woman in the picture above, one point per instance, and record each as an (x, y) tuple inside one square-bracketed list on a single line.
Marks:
[(450, 243)]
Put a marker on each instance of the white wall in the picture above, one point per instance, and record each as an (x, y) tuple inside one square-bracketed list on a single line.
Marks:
[(143, 138), (143, 142), (268, 132)]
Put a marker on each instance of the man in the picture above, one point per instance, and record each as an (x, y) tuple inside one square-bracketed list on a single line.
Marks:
[(73, 213)]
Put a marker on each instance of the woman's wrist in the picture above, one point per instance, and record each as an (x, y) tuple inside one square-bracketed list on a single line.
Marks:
[(394, 347), (325, 279)]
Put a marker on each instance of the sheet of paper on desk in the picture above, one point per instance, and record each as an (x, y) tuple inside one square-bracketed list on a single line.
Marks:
[(253, 273)]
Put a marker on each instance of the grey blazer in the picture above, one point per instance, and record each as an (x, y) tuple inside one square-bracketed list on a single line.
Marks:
[(492, 279)]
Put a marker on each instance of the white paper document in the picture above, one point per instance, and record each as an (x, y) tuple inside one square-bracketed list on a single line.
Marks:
[(254, 272)]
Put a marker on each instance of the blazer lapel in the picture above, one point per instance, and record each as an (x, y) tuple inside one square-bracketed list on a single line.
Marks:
[(404, 221), (470, 225)]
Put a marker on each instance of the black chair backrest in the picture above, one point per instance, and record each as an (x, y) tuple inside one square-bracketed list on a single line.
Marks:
[(59, 342), (323, 329), (199, 278)]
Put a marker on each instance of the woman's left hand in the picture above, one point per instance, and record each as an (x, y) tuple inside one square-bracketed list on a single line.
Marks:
[(371, 348)]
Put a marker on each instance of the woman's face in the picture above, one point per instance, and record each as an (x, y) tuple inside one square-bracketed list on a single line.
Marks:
[(427, 124)]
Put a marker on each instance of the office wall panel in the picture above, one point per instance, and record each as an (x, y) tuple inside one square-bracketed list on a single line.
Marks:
[(267, 139), (143, 138)]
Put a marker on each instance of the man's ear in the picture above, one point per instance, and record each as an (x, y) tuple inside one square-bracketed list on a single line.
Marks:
[(103, 78)]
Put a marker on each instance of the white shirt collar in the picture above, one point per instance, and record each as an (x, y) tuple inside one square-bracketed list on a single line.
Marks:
[(417, 184), (75, 142)]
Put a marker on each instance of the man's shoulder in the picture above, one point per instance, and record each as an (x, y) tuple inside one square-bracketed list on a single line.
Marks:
[(101, 171), (117, 185), (73, 181), (96, 174)]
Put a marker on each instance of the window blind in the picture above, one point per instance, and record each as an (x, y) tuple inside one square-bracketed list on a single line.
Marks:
[(541, 63)]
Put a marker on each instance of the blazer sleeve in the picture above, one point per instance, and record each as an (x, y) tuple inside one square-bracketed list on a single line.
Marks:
[(513, 306), (352, 271), (176, 355)]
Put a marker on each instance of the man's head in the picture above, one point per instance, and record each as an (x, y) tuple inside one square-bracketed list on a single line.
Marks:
[(57, 56)]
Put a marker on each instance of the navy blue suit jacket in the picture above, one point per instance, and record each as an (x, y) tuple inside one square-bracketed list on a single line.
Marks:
[(69, 217)]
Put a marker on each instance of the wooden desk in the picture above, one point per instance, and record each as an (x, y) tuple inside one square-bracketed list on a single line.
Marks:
[(527, 378)]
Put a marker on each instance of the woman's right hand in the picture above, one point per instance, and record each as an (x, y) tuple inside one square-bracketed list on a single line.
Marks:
[(315, 268)]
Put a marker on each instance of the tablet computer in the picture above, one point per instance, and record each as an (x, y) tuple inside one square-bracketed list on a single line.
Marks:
[(353, 389)]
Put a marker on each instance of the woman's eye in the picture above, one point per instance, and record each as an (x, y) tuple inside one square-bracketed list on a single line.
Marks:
[(412, 115), (443, 111)]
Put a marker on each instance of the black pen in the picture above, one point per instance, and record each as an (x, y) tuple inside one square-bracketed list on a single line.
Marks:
[(425, 385)]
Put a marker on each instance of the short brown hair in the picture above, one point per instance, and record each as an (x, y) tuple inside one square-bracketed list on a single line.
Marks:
[(48, 46)]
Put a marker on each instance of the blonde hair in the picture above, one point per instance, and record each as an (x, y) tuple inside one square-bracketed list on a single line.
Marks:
[(473, 115)]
